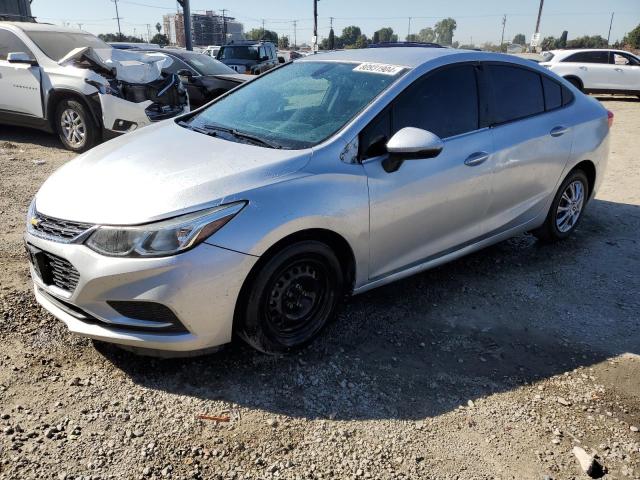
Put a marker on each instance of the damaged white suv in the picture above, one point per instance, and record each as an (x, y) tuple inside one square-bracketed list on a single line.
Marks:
[(71, 82)]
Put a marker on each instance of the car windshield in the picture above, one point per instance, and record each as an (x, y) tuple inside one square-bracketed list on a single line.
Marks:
[(56, 45), (298, 105), (238, 52), (205, 65)]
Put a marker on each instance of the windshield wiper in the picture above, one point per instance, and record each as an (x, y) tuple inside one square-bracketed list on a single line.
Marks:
[(186, 125), (238, 134)]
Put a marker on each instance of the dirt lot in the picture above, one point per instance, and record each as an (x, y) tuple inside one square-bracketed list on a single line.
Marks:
[(493, 366)]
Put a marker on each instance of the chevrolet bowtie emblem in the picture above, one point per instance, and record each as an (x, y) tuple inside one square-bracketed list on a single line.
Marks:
[(35, 221)]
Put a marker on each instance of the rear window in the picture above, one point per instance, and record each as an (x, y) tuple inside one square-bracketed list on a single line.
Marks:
[(601, 56), (238, 52), (516, 93)]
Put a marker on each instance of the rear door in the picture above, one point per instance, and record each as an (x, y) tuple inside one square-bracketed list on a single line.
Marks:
[(532, 137), (626, 71), (19, 82), (593, 68), (428, 206)]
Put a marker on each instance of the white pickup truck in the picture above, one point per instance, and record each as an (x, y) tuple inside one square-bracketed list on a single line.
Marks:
[(596, 70)]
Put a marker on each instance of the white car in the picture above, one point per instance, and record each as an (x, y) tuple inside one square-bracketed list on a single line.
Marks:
[(596, 70), (71, 82)]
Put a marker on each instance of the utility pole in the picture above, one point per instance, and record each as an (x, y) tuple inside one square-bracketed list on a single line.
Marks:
[(315, 26), (539, 16), (148, 32), (224, 27), (610, 24), (262, 36), (118, 19), (504, 22), (409, 29), (295, 33), (80, 27), (186, 13)]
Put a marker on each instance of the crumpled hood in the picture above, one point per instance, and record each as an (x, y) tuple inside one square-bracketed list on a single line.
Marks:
[(158, 172), (129, 66)]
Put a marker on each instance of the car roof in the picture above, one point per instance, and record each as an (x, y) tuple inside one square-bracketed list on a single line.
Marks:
[(42, 27), (405, 56)]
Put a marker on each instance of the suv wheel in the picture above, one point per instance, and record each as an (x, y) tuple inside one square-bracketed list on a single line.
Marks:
[(567, 208), (76, 129), (291, 298)]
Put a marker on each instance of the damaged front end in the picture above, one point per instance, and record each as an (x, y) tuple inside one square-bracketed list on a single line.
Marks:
[(133, 89)]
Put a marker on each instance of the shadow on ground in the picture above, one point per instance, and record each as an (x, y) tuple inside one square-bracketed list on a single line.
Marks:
[(29, 136), (511, 314)]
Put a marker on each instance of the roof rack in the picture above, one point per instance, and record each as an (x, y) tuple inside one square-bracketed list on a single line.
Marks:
[(405, 44)]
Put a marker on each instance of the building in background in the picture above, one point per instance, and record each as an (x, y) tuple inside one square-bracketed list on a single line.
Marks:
[(16, 10), (207, 28)]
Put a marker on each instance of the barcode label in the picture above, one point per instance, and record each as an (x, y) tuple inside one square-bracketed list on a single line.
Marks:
[(382, 68)]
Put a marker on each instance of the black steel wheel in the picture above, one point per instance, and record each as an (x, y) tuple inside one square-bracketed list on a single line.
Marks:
[(291, 297)]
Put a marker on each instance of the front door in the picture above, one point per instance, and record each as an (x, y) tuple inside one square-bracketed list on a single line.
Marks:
[(626, 72), (428, 207), (19, 82)]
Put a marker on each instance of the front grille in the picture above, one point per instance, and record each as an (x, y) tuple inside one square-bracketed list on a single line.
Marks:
[(61, 273), (55, 228)]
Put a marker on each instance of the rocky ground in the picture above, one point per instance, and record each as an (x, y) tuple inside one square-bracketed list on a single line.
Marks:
[(492, 367)]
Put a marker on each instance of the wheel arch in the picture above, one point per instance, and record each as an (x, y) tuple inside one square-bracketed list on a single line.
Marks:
[(589, 168), (575, 78), (60, 94), (333, 240)]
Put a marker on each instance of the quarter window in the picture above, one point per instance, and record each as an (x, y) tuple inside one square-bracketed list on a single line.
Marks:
[(552, 93), (444, 102), (594, 56), (516, 93), (10, 43)]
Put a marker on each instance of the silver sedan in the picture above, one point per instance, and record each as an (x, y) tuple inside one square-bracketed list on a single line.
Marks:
[(331, 175)]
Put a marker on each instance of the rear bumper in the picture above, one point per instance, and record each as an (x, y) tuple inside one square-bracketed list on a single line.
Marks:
[(200, 287)]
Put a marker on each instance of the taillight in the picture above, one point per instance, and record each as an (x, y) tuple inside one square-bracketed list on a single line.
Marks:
[(610, 118)]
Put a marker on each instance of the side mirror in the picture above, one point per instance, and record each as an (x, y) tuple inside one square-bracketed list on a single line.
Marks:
[(21, 57), (411, 143), (185, 73), (281, 60)]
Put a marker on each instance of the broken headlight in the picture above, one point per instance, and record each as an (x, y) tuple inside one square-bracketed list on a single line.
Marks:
[(163, 238), (104, 89)]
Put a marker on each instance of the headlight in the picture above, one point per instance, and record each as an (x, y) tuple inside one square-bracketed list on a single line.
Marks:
[(163, 238)]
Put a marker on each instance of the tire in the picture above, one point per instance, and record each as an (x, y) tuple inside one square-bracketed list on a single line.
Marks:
[(290, 299), (557, 226), (575, 82), (75, 126)]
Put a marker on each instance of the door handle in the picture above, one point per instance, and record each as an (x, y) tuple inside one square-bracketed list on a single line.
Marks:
[(476, 159), (582, 68), (618, 69), (557, 131)]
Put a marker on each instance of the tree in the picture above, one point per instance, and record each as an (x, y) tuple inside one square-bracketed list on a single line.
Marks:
[(283, 42), (350, 35), (413, 37), (586, 41), (633, 38), (386, 35), (260, 34), (158, 27), (562, 41), (519, 39), (427, 35), (444, 31), (376, 38), (114, 37), (361, 42), (160, 39), (548, 43), (332, 39)]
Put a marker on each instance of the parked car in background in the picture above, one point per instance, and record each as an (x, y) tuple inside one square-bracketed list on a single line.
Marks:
[(285, 56), (211, 50), (133, 45), (204, 77), (334, 174), (252, 57), (71, 82), (596, 71)]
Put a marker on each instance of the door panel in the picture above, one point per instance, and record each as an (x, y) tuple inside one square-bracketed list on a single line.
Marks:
[(427, 206), (626, 72), (19, 82)]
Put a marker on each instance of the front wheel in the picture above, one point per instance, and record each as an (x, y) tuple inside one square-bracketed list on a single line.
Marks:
[(76, 129), (567, 208), (291, 298)]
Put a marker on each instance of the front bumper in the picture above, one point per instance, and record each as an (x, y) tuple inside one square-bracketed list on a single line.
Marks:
[(199, 286)]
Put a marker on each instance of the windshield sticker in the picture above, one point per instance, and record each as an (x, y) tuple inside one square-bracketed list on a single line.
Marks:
[(381, 68)]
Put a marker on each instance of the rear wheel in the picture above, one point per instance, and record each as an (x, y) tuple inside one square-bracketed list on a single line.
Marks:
[(567, 208), (291, 298), (75, 126)]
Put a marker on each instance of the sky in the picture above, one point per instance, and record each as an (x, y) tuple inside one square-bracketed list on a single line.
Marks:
[(478, 21)]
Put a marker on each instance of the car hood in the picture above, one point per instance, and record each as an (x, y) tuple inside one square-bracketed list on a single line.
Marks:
[(158, 172), (125, 65)]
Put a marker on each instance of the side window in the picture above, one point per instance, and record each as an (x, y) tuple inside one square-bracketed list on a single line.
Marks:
[(552, 93), (624, 59), (444, 102), (516, 93), (10, 43), (261, 53), (567, 96), (272, 49), (594, 56), (177, 65)]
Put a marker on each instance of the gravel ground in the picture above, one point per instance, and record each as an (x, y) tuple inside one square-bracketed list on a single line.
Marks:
[(491, 367)]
